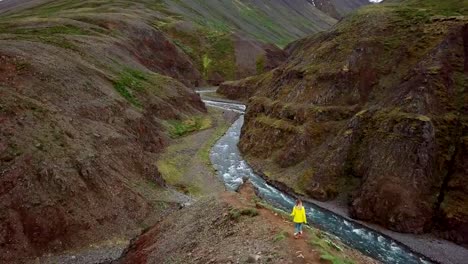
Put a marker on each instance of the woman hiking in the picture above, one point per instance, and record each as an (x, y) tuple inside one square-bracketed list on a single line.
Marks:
[(299, 215)]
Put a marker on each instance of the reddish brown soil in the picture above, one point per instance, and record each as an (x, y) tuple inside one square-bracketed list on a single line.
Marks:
[(76, 157), (207, 232)]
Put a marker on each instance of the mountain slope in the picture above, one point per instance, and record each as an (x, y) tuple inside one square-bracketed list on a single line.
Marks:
[(277, 21), (373, 113), (241, 28), (84, 101), (338, 8), (91, 92), (209, 31), (344, 7)]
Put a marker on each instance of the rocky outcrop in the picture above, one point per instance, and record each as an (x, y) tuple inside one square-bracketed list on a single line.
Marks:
[(357, 114), (452, 217)]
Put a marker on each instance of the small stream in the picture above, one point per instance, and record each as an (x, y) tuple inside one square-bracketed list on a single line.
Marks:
[(231, 168)]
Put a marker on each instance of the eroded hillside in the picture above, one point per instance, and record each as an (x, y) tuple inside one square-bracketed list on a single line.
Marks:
[(84, 98), (91, 92), (373, 113), (226, 40)]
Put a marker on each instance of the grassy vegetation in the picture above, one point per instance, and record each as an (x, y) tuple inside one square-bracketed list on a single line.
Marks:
[(212, 39), (259, 18), (283, 234), (236, 213), (221, 52), (444, 8), (412, 29), (175, 164), (46, 31), (128, 82), (260, 64), (206, 64), (279, 124), (263, 204), (215, 25), (170, 169), (330, 251), (304, 179), (173, 169), (56, 8), (252, 18), (204, 152), (392, 40), (211, 50), (251, 212), (179, 128)]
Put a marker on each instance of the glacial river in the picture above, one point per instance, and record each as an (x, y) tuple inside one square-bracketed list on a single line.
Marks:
[(231, 168)]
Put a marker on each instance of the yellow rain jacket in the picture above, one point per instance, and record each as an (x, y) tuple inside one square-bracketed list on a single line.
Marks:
[(299, 215)]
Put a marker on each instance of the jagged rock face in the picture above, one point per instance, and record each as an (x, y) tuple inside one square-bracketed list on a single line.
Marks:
[(420, 151), (452, 217), (358, 112)]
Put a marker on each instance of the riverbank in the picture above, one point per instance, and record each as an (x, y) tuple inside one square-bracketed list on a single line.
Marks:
[(185, 163), (235, 227), (436, 249), (186, 168), (233, 169), (209, 93), (229, 227)]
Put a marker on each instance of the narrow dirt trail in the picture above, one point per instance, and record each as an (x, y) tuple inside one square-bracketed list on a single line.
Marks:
[(296, 249), (231, 227), (209, 230)]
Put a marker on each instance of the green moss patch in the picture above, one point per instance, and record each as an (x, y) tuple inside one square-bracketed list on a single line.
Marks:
[(236, 213), (204, 152), (178, 128), (128, 82), (330, 251), (211, 50), (283, 234), (47, 31)]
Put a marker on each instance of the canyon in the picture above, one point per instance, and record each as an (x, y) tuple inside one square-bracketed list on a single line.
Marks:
[(104, 139)]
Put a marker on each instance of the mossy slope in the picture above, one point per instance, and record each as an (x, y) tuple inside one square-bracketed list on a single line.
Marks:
[(372, 112)]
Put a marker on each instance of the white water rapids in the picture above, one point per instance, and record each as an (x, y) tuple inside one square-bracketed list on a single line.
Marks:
[(232, 169)]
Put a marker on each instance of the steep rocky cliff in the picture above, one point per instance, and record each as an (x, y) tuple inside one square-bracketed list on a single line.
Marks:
[(374, 113)]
